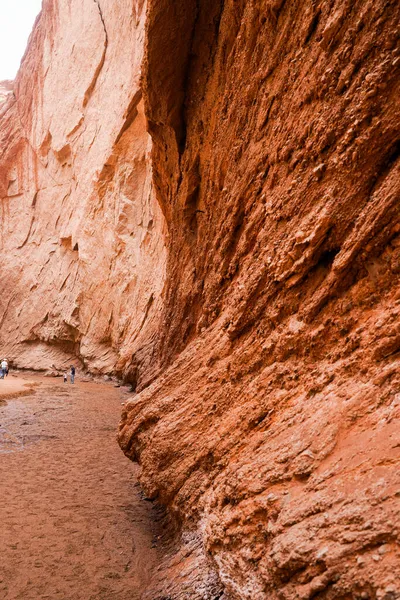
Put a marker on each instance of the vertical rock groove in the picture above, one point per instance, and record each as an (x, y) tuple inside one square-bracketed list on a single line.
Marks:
[(99, 67)]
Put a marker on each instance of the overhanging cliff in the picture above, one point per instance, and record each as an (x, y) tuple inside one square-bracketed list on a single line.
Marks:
[(273, 433)]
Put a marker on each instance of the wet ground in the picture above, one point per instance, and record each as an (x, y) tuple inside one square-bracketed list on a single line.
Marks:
[(73, 522)]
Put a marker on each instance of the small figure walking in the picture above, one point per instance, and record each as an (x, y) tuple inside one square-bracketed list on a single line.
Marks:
[(72, 374), (4, 367), (65, 378)]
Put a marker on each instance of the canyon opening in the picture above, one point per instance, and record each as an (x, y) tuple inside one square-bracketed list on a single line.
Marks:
[(200, 272)]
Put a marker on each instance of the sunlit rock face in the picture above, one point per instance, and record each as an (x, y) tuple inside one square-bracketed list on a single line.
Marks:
[(81, 233), (204, 197), (6, 88)]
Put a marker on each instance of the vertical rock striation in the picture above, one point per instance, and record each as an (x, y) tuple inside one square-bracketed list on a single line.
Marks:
[(81, 233)]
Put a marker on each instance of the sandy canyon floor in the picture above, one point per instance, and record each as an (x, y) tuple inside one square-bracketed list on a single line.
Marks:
[(73, 522)]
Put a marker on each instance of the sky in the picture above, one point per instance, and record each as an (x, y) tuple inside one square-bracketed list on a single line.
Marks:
[(16, 21)]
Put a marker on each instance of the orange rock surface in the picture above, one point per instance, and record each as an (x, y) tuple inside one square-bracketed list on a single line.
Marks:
[(252, 299), (81, 233)]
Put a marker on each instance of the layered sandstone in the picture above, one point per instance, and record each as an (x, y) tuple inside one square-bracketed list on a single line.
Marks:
[(252, 298)]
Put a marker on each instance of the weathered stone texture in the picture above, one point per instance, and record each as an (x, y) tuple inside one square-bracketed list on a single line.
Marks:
[(253, 299), (274, 431), (81, 233)]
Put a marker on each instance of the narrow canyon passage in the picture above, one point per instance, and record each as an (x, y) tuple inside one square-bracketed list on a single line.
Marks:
[(73, 522)]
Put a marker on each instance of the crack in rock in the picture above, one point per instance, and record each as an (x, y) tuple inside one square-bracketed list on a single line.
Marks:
[(92, 85)]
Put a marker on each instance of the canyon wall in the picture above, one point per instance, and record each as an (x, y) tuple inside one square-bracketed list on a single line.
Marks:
[(273, 433), (203, 197), (82, 240)]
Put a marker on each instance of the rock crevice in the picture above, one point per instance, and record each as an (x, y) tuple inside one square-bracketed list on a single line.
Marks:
[(99, 68)]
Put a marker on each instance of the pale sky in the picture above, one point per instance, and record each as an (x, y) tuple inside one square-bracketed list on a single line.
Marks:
[(16, 21)]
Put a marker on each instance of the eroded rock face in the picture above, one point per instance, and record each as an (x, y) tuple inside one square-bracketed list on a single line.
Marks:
[(267, 417), (273, 435), (81, 233), (6, 88)]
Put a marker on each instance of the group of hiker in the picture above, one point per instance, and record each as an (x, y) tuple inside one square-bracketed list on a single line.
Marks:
[(3, 368), (72, 375)]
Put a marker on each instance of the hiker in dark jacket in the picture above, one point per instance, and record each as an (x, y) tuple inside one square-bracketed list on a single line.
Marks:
[(72, 373)]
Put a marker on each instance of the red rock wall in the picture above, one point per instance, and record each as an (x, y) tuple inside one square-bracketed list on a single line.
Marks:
[(81, 232), (273, 434), (267, 366)]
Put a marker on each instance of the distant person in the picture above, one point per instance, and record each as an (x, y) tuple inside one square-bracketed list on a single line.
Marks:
[(72, 374), (7, 369), (4, 366), (65, 378)]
